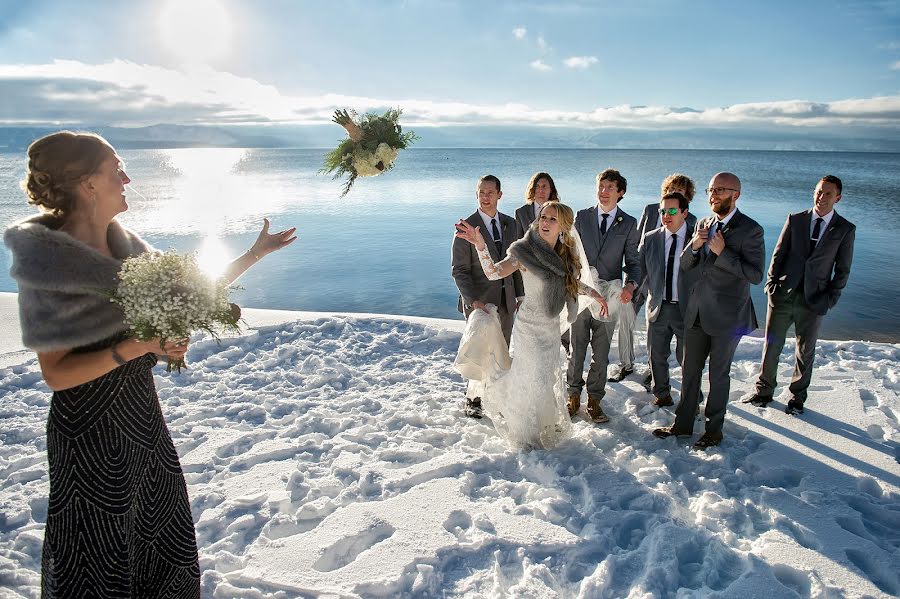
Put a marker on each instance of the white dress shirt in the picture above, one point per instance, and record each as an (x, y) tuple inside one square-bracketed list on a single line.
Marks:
[(488, 231), (610, 220), (825, 221), (679, 247)]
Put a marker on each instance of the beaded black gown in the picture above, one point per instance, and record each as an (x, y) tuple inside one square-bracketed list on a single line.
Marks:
[(119, 521)]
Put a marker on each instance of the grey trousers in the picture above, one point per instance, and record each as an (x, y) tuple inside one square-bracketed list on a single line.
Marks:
[(669, 322), (599, 334), (785, 310), (698, 346)]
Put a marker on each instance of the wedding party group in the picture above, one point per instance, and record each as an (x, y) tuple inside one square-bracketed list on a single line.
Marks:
[(540, 287), (96, 304)]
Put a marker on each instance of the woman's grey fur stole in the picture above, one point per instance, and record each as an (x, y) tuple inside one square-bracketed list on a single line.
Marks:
[(540, 259), (61, 283)]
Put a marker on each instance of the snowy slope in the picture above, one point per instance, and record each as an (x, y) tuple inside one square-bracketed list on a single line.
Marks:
[(328, 457)]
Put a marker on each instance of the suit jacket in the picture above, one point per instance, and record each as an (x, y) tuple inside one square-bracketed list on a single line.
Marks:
[(720, 289), (469, 276), (524, 218), (608, 252), (653, 258), (823, 273), (650, 220)]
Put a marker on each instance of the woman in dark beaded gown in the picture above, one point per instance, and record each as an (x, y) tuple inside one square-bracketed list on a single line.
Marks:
[(119, 521)]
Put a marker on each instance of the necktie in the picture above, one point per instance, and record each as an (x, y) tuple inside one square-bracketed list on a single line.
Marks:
[(497, 240), (815, 235), (603, 224), (670, 267)]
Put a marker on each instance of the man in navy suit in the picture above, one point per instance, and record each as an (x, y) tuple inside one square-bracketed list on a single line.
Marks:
[(727, 254), (809, 269), (610, 240)]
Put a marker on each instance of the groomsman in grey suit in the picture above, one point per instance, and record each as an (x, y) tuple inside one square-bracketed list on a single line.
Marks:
[(540, 190), (475, 290), (728, 254), (666, 287), (809, 269), (610, 239), (650, 219)]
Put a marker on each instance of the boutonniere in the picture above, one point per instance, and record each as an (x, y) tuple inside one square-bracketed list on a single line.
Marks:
[(505, 225)]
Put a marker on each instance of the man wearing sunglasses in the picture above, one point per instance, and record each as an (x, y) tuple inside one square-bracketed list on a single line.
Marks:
[(727, 254), (676, 182), (809, 269), (666, 286)]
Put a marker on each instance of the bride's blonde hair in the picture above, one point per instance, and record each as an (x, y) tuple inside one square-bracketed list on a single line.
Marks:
[(565, 245)]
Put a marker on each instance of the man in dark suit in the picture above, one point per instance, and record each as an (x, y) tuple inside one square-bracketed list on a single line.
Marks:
[(541, 189), (650, 219), (728, 254), (809, 269), (475, 290), (610, 239), (666, 288)]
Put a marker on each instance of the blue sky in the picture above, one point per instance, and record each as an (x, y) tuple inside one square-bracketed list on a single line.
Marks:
[(653, 64)]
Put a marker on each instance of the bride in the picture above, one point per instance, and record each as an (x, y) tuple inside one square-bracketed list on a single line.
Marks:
[(526, 402)]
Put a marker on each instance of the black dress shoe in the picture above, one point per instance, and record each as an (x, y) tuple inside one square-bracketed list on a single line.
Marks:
[(794, 407), (473, 408), (758, 400), (667, 431), (708, 440), (619, 372), (648, 382)]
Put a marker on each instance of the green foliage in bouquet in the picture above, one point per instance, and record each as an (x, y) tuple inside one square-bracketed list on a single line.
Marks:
[(371, 147)]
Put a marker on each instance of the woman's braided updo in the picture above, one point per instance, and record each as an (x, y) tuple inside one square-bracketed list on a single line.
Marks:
[(57, 163)]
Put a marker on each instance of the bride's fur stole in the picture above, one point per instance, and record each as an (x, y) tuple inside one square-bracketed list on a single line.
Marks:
[(61, 283), (540, 259)]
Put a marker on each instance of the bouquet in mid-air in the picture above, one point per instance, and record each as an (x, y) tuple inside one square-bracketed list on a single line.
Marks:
[(371, 148), (167, 296)]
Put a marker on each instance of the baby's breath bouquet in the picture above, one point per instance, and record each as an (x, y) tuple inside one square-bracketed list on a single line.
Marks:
[(167, 295), (371, 148)]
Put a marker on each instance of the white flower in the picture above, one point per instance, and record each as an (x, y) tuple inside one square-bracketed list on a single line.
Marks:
[(386, 155), (364, 164)]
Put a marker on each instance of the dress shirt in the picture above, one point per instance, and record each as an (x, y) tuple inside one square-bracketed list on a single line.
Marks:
[(488, 233), (610, 220), (679, 246), (825, 220)]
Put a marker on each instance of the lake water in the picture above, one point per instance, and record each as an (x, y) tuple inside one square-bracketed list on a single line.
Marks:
[(385, 247)]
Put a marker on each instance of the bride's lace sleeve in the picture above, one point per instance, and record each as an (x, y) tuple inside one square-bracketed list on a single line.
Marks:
[(496, 270), (585, 289)]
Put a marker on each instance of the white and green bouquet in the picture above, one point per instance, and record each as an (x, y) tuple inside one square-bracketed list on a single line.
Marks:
[(371, 148), (167, 296)]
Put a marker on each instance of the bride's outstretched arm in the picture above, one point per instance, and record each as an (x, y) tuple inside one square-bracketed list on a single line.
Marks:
[(585, 289), (492, 270)]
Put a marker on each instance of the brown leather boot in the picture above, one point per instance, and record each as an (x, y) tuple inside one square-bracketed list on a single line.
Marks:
[(573, 403), (595, 411)]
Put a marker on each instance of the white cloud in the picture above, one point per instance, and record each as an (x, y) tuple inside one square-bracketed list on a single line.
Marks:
[(519, 33), (580, 62), (541, 42), (896, 66), (540, 65), (126, 94)]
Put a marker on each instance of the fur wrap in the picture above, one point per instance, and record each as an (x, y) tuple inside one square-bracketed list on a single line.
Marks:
[(540, 259), (61, 282)]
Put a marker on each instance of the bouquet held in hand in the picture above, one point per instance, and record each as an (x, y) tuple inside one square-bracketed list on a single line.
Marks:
[(371, 148), (167, 296)]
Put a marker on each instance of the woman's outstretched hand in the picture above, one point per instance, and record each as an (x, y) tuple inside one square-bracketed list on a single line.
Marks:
[(471, 234), (267, 242)]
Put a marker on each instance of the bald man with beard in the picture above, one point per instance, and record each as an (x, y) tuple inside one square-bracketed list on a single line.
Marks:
[(726, 255)]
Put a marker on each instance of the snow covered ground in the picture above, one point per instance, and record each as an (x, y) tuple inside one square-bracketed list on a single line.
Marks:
[(327, 456)]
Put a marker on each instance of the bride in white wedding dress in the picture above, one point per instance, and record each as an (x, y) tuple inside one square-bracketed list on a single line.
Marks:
[(526, 403)]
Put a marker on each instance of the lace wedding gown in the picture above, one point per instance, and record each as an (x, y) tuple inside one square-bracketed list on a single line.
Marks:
[(527, 402)]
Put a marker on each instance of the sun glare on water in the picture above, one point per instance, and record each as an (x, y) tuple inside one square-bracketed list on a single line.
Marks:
[(196, 31)]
